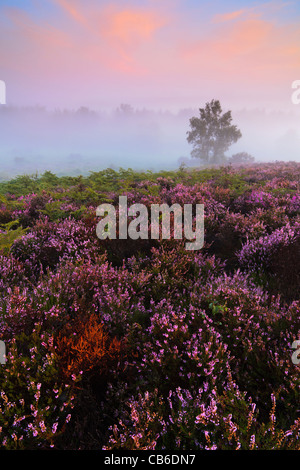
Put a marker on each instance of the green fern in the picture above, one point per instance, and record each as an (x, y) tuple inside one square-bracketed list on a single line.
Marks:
[(9, 235)]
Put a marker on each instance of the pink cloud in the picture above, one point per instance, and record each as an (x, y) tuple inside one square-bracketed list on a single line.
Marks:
[(155, 51), (220, 18), (28, 45), (129, 25), (251, 47), (112, 33), (72, 10)]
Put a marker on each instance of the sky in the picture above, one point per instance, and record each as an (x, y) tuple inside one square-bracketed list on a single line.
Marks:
[(165, 55)]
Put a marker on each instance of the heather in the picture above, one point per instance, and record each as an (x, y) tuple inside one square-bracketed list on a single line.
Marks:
[(141, 344)]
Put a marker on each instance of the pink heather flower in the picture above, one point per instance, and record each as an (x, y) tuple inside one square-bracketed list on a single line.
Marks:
[(54, 428), (42, 426)]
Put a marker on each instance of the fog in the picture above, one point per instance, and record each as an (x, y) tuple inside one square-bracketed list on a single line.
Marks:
[(66, 141)]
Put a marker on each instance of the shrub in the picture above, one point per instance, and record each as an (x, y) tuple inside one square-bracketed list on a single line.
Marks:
[(173, 349), (185, 421), (273, 260), (35, 406), (48, 242)]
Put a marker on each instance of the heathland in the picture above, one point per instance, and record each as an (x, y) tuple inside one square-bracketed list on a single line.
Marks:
[(141, 344)]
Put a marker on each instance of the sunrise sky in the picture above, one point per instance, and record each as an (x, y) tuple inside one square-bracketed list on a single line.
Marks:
[(160, 54), (163, 58)]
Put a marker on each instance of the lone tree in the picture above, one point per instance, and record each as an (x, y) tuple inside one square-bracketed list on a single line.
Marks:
[(212, 134)]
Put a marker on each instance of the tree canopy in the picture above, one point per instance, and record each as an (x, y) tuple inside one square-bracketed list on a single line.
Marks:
[(212, 133)]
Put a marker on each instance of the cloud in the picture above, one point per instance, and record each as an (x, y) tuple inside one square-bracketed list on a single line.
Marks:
[(146, 51), (112, 33), (26, 43), (251, 47), (129, 25), (126, 32), (113, 21), (220, 18), (71, 10)]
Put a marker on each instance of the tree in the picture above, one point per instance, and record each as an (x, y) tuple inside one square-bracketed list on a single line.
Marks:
[(241, 158), (212, 134)]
